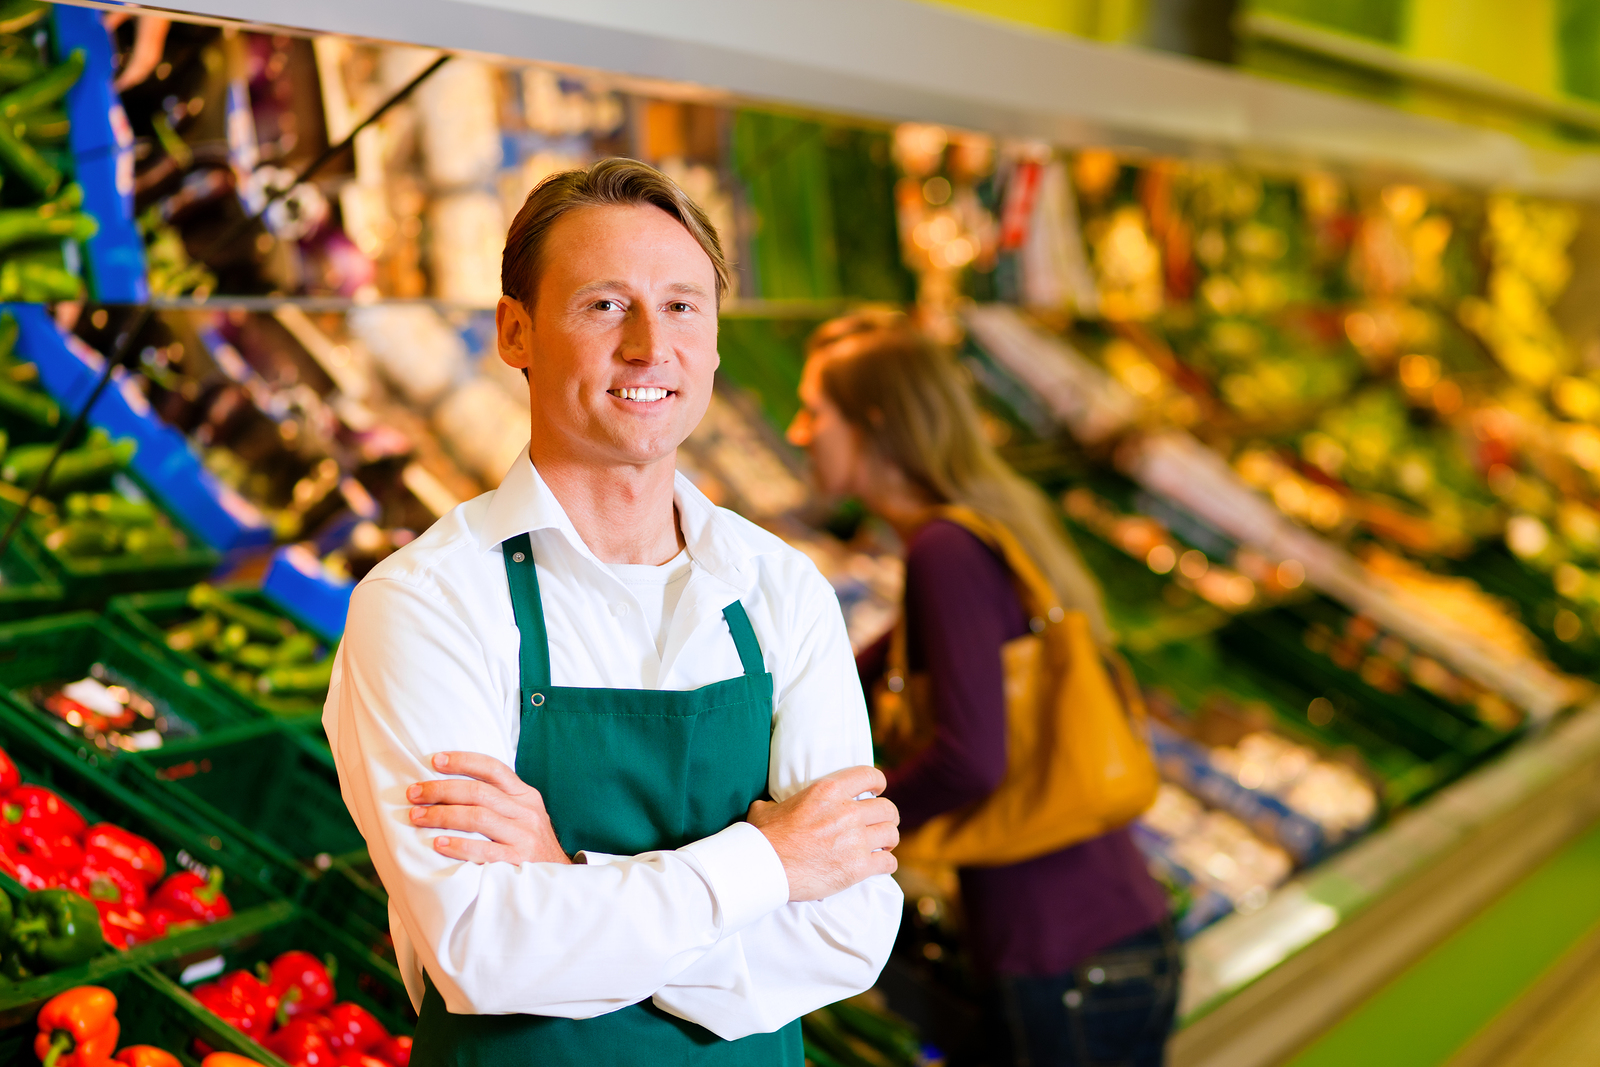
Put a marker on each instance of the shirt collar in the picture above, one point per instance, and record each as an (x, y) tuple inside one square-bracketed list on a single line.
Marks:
[(523, 503)]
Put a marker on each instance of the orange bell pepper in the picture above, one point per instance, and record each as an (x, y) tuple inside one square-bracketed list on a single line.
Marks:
[(228, 1059), (78, 1028)]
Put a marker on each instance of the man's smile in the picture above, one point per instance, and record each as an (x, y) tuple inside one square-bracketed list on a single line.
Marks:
[(646, 395)]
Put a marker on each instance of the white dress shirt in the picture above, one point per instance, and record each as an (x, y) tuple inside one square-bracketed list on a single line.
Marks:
[(429, 664)]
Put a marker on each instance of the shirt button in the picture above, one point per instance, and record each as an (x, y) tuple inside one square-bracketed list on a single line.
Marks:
[(619, 610)]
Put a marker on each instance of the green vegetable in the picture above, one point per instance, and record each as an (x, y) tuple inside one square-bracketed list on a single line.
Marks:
[(41, 127), (196, 632), (310, 678), (9, 330), (18, 225), (256, 657), (113, 507), (260, 625), (234, 637), (17, 15), (56, 928), (18, 69), (44, 90), (92, 462), (29, 404), (85, 537), (297, 649), (142, 540), (25, 162)]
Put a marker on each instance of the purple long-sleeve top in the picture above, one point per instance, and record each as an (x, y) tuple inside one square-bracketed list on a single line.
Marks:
[(1043, 916)]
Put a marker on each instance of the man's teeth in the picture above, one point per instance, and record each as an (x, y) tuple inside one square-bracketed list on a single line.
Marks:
[(641, 394)]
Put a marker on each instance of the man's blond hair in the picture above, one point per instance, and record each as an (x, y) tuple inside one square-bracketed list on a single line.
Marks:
[(609, 182)]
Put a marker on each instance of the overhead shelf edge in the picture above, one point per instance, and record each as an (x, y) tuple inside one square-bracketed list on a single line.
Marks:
[(899, 60)]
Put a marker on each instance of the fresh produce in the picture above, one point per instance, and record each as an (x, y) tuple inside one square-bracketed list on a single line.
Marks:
[(255, 652), (288, 1006), (78, 1028), (33, 129), (90, 885), (109, 712)]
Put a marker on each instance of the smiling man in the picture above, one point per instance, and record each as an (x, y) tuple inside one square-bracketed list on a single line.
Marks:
[(605, 740)]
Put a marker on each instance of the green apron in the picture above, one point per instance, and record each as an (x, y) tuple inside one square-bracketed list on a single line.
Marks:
[(623, 771)]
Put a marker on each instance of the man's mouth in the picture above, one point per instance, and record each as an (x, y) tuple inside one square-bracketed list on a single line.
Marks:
[(646, 395)]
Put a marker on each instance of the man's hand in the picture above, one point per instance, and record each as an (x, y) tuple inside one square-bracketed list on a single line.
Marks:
[(498, 805), (827, 839)]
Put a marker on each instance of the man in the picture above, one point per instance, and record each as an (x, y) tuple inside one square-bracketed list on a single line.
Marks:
[(651, 667)]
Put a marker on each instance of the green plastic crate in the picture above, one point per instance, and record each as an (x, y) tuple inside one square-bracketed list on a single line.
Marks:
[(270, 786), (151, 1010), (348, 893), (27, 588), (148, 615), (63, 647), (358, 976)]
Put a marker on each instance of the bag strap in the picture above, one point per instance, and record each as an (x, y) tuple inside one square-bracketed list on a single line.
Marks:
[(1038, 595)]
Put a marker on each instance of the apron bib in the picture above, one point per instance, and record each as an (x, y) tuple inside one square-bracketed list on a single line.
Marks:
[(623, 771)]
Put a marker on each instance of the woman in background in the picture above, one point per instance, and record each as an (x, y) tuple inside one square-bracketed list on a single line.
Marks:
[(1076, 944)]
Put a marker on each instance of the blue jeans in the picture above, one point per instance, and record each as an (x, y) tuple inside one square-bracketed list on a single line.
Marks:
[(1115, 1009)]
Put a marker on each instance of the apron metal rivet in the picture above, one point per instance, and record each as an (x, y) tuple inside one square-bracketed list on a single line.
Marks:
[(517, 557), (536, 700)]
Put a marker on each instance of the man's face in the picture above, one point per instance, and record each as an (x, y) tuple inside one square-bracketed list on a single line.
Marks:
[(621, 345)]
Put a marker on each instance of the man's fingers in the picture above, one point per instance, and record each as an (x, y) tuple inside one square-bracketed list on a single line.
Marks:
[(466, 791), (471, 850), (853, 781), (883, 835), (465, 818), (484, 768), (877, 810)]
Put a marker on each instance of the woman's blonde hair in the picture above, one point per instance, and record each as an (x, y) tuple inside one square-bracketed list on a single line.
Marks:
[(911, 401)]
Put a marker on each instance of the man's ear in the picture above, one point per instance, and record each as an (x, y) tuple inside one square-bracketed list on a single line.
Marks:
[(513, 328)]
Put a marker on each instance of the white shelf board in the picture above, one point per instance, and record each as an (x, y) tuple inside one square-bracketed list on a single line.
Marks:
[(902, 60)]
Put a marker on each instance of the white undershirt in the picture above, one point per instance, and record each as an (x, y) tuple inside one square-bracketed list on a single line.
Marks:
[(657, 589)]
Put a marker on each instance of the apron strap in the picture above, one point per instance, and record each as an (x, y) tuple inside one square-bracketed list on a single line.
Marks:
[(534, 654), (744, 638)]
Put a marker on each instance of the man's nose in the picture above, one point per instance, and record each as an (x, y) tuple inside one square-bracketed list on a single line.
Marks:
[(643, 340)]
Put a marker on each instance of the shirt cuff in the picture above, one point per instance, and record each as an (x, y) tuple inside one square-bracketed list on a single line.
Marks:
[(745, 874)]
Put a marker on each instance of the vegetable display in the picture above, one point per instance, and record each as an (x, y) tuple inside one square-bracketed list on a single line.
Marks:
[(255, 652), (79, 1028), (89, 885), (289, 1008), (110, 712)]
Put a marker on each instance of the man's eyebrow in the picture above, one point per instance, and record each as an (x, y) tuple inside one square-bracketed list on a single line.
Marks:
[(614, 285), (688, 289)]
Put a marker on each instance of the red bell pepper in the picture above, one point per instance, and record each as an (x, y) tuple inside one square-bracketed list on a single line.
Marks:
[(32, 872), (105, 842), (10, 777), (303, 983), (350, 1027), (108, 883), (358, 1059), (124, 927), (147, 1056), (165, 921), (234, 1006), (36, 806), (56, 847), (78, 1028), (188, 894), (396, 1050), (301, 1044)]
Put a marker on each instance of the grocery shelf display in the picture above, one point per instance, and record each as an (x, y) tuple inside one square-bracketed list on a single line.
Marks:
[(1322, 413)]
